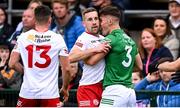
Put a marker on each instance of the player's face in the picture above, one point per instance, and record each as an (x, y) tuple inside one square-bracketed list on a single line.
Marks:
[(59, 10), (160, 27), (91, 22), (174, 9), (148, 40), (28, 19), (104, 25)]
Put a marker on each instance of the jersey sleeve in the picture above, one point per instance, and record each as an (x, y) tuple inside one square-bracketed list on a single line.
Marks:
[(110, 39), (64, 50), (17, 45), (80, 43)]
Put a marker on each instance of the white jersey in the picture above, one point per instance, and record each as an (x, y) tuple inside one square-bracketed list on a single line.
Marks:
[(40, 55), (91, 74)]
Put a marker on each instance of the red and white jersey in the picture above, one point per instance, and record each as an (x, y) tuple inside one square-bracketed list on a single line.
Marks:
[(91, 74), (40, 55)]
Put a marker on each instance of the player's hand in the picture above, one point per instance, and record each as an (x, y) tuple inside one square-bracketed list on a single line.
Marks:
[(153, 67), (65, 94), (176, 77), (103, 47)]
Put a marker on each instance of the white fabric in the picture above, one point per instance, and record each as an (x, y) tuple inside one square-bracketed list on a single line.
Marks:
[(40, 82), (91, 74), (118, 96)]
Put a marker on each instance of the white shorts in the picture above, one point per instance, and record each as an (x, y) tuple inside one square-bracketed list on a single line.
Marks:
[(118, 96)]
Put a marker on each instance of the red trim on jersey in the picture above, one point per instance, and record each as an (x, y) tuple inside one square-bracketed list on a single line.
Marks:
[(96, 35)]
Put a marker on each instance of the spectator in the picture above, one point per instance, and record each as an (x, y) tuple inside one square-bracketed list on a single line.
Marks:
[(99, 4), (32, 5), (27, 22), (9, 78), (162, 29), (151, 49), (68, 24), (136, 77), (163, 84), (174, 16), (75, 5), (41, 50), (5, 29)]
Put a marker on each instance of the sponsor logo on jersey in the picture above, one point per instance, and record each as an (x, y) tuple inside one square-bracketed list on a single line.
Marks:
[(39, 38), (31, 37)]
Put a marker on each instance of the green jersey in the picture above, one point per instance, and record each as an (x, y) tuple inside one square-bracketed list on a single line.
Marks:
[(120, 60)]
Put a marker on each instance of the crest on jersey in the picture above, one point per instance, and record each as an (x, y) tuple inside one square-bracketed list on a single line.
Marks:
[(31, 37), (65, 50), (79, 44)]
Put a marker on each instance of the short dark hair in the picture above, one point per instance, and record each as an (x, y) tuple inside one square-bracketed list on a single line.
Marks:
[(110, 10), (90, 9), (42, 14), (5, 45)]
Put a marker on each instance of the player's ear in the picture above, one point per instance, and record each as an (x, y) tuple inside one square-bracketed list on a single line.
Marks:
[(83, 23)]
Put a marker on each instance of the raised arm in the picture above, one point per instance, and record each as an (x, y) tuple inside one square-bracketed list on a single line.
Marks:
[(14, 62), (170, 66)]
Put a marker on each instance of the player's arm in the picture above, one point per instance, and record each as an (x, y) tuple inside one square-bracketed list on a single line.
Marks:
[(138, 63), (95, 58), (14, 62), (77, 54), (66, 77), (170, 66)]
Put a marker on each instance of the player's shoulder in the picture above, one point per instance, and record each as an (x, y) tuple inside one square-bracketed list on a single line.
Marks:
[(84, 35), (54, 35), (24, 35)]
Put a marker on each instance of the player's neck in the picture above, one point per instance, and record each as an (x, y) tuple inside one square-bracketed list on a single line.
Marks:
[(114, 27), (41, 28)]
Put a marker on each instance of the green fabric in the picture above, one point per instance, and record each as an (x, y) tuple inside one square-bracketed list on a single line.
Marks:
[(120, 60)]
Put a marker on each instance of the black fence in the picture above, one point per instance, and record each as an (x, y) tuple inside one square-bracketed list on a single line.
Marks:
[(8, 97)]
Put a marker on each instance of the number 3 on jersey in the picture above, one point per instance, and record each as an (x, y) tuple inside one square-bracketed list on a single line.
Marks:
[(43, 55), (128, 55)]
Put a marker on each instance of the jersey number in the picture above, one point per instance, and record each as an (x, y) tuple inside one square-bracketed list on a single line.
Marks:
[(128, 55), (43, 55)]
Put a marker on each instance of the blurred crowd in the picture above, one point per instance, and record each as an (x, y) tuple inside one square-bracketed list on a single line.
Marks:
[(159, 41)]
